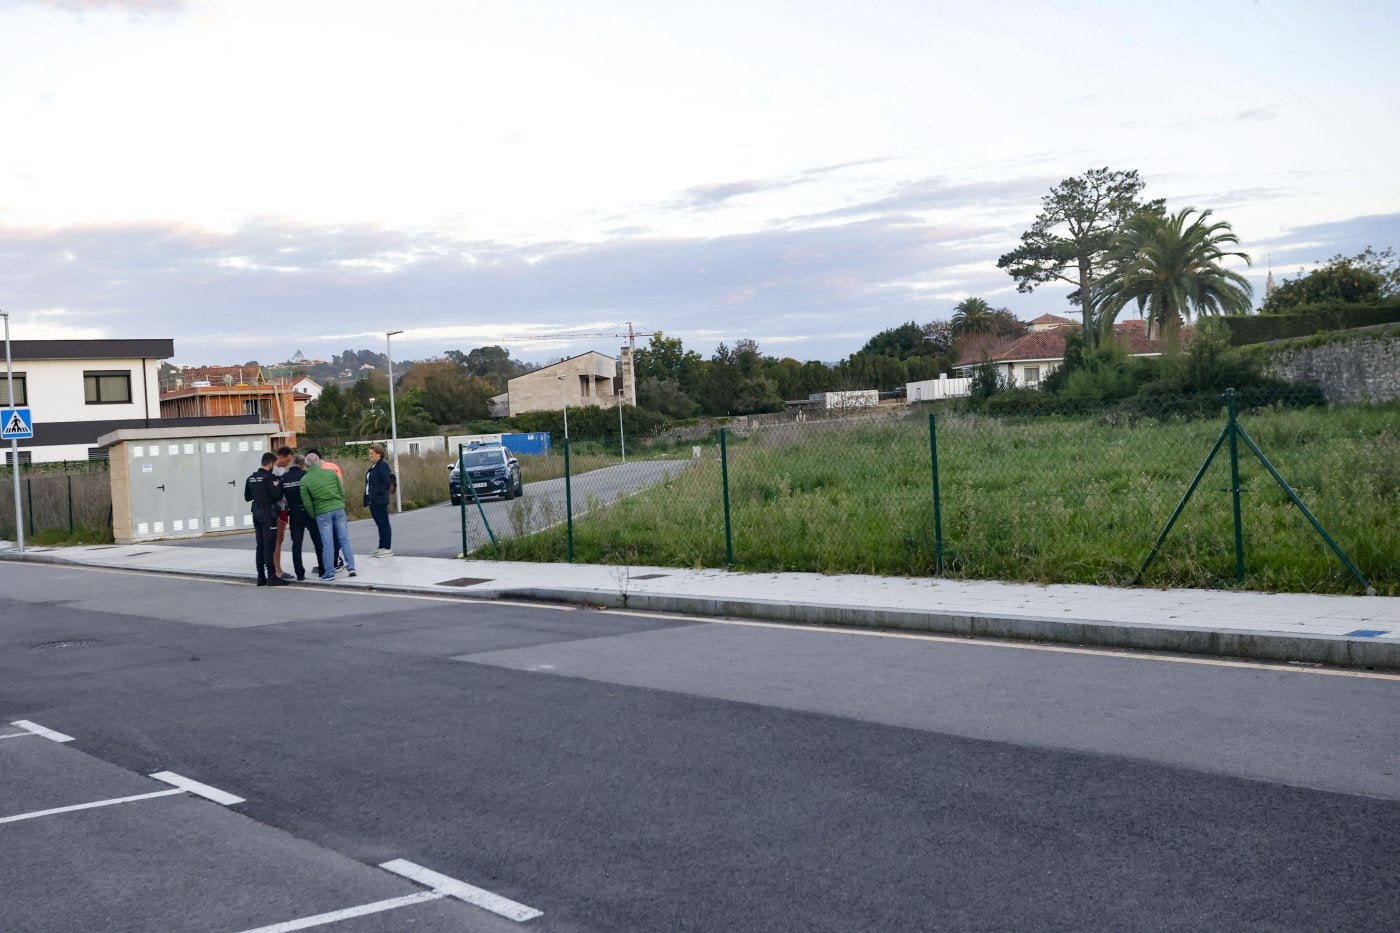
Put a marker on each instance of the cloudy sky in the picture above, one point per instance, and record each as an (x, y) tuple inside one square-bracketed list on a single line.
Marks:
[(254, 177)]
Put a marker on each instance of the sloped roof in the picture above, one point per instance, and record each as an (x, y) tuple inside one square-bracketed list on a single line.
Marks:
[(1052, 320), (1050, 344)]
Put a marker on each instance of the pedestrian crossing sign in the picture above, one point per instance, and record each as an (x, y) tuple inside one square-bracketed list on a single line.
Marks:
[(18, 424)]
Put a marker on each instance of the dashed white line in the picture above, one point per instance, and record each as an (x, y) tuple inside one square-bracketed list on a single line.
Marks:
[(462, 891), (36, 729), (196, 788), (349, 913), (87, 806)]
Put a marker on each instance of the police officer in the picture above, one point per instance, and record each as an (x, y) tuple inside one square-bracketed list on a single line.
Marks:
[(264, 490), (300, 520)]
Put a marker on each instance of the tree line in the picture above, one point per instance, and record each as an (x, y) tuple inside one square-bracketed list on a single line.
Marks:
[(1095, 232)]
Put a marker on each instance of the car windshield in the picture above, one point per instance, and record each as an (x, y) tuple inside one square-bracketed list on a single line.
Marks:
[(483, 458)]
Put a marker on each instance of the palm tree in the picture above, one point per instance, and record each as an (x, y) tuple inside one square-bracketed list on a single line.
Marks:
[(973, 316), (1170, 265)]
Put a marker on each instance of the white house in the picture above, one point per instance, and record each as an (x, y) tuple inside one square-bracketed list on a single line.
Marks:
[(79, 390), (309, 387)]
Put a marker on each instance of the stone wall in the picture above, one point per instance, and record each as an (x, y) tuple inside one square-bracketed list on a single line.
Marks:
[(1363, 369)]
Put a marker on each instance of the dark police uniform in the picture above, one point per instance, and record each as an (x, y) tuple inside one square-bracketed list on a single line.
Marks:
[(300, 520), (264, 490)]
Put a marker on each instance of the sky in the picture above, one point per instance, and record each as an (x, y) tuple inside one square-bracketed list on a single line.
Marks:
[(257, 177)]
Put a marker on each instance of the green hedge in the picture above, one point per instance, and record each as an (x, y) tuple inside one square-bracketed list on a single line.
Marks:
[(1306, 320)]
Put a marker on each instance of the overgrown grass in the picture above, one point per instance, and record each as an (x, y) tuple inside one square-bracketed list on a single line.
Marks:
[(1051, 500)]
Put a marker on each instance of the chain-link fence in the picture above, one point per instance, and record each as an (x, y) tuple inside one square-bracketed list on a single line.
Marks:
[(59, 502), (1023, 487)]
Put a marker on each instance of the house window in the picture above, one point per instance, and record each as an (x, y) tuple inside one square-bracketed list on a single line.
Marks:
[(107, 388), (1032, 374), (250, 406), (99, 453), (585, 386), (25, 457), (21, 392)]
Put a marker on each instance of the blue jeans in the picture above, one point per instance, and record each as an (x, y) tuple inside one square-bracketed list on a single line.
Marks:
[(332, 526), (380, 514)]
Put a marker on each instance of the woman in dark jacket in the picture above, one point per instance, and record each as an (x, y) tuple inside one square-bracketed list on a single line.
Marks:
[(377, 498)]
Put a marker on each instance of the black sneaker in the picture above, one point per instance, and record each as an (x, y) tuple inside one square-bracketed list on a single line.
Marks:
[(352, 573), (278, 583)]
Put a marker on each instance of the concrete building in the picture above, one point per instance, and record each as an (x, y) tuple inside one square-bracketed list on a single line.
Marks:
[(589, 379)]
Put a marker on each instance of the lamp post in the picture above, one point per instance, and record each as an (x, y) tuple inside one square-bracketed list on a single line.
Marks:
[(393, 417), (14, 443), (621, 435), (563, 399)]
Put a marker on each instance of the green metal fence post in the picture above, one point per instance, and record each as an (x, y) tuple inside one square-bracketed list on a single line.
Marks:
[(1317, 526), (1235, 485), (937, 503), (29, 492), (70, 503), (569, 498), (724, 479), (462, 480)]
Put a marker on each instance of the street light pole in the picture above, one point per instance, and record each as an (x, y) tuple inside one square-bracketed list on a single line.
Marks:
[(393, 417), (14, 442), (564, 400)]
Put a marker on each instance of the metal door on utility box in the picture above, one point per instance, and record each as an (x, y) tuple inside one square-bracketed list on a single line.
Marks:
[(226, 463), (165, 488)]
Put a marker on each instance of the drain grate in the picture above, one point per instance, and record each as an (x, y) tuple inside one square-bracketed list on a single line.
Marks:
[(648, 576), (463, 581), (74, 643)]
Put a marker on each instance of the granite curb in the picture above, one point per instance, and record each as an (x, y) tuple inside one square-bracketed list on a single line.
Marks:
[(1332, 650)]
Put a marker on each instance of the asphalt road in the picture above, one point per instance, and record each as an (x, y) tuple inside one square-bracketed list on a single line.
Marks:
[(436, 531), (630, 772)]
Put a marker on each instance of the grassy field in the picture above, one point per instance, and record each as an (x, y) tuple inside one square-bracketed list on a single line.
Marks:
[(1052, 500)]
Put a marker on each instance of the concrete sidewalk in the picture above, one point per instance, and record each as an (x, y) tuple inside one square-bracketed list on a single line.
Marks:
[(1347, 631)]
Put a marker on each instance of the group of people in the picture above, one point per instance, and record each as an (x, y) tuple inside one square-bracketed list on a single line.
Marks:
[(306, 494)]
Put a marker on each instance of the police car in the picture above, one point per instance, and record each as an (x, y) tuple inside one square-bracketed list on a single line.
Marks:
[(490, 469)]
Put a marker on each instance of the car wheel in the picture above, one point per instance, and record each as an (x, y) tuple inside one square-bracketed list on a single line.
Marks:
[(456, 500), (519, 486), (508, 493)]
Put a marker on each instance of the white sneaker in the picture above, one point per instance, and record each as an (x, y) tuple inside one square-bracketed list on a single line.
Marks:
[(385, 552), (378, 552)]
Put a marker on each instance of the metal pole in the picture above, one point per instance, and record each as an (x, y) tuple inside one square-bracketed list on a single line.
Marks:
[(14, 443), (70, 503), (937, 503), (1317, 526), (564, 401), (621, 435), (724, 479), (568, 496), (1235, 485), (462, 481), (393, 417)]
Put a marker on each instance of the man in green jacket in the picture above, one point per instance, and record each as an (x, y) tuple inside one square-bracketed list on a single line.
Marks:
[(324, 498)]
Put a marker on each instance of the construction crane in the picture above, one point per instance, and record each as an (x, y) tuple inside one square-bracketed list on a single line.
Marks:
[(632, 333)]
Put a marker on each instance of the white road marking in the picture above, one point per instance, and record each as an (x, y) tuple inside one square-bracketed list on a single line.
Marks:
[(981, 642), (349, 913), (462, 891), (196, 788), (87, 806), (18, 735), (37, 729)]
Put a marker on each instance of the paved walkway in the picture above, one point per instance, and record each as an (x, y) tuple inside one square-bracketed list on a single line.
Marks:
[(1352, 631)]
